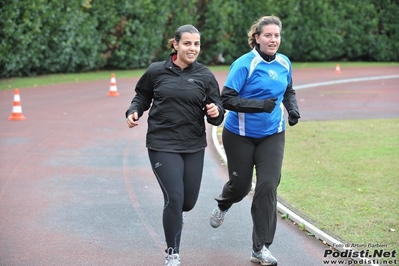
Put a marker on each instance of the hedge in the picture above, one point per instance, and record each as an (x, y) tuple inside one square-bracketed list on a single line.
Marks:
[(42, 36)]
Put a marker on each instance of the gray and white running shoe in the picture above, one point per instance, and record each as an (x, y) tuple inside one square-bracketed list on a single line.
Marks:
[(264, 257), (217, 217), (172, 260)]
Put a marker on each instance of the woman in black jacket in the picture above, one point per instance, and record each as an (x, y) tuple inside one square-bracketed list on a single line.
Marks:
[(181, 93)]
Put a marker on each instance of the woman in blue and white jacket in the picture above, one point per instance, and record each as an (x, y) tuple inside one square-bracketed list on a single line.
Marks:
[(257, 89)]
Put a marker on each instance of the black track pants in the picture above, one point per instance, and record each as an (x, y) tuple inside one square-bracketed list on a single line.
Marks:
[(266, 154), (179, 176)]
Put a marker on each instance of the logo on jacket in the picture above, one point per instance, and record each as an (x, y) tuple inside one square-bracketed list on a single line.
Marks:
[(273, 74), (190, 80)]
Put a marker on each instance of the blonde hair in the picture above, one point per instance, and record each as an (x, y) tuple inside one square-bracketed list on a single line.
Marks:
[(256, 28)]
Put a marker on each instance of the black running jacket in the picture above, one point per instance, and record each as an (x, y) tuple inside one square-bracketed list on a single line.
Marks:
[(176, 98)]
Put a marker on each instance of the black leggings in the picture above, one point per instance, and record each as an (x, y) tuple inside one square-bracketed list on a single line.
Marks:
[(266, 155), (179, 176)]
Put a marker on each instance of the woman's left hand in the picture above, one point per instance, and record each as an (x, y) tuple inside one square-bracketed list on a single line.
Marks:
[(212, 110)]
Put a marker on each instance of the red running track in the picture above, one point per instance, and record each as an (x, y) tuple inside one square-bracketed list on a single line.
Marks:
[(76, 187)]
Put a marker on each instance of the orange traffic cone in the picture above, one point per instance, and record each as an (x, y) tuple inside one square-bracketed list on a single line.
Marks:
[(113, 91), (337, 69), (16, 108)]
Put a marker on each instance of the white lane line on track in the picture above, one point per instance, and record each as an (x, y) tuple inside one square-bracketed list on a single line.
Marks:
[(319, 234), (340, 81), (132, 195)]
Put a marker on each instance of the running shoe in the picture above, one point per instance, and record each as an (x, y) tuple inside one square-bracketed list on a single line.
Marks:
[(217, 217), (264, 257), (172, 260)]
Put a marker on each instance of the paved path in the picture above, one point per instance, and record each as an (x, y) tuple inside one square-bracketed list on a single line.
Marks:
[(76, 186)]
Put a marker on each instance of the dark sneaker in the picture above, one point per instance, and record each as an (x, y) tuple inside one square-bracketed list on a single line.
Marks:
[(217, 217), (264, 257)]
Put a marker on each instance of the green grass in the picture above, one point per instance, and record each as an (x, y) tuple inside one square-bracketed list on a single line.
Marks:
[(342, 64), (345, 176), (53, 79)]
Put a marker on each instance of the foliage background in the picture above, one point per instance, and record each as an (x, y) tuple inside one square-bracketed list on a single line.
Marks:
[(69, 36)]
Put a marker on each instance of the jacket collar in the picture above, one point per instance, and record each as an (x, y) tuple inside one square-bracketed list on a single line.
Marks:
[(265, 57), (169, 63)]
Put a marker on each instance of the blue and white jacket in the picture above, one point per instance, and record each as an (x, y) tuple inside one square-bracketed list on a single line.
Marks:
[(252, 80)]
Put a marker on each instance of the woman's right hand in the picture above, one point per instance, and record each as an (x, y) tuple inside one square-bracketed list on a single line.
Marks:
[(132, 119)]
